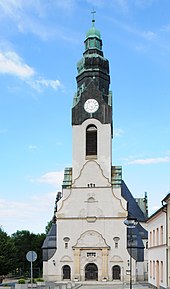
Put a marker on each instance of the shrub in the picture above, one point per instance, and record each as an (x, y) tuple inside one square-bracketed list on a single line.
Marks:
[(21, 281), (40, 280)]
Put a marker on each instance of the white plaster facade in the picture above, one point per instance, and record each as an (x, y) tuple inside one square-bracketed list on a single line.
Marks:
[(157, 255), (91, 237), (90, 217)]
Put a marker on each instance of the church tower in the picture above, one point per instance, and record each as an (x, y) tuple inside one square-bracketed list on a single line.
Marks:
[(92, 109), (88, 238)]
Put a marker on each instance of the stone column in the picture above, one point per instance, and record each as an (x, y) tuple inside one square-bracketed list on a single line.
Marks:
[(104, 262), (77, 263)]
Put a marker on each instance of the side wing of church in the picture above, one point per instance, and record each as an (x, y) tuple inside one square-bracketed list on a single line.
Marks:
[(88, 239)]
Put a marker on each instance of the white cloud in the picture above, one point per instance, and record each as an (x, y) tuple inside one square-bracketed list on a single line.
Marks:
[(148, 161), (144, 3), (52, 178), (32, 147), (118, 132), (11, 63), (166, 28), (16, 9), (149, 35), (122, 4), (67, 5), (47, 83), (25, 213), (97, 3), (36, 17)]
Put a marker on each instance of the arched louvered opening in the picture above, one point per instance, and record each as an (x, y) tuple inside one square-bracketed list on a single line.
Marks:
[(91, 141), (116, 272), (66, 272)]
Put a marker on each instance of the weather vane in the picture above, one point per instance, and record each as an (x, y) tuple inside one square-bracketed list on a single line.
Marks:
[(93, 12)]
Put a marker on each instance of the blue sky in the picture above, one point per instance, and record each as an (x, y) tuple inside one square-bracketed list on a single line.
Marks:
[(40, 44)]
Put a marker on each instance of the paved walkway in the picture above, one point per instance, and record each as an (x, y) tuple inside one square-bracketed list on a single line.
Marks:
[(86, 285), (99, 285), (114, 286)]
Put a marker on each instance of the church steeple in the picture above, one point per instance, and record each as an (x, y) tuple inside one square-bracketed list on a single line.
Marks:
[(94, 198), (93, 39), (93, 81)]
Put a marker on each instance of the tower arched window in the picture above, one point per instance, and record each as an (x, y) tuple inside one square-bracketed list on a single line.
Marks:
[(91, 141)]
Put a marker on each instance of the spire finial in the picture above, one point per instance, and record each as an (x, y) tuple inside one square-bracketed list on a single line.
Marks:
[(93, 20)]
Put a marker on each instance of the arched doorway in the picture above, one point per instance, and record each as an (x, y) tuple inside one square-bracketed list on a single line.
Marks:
[(66, 272), (91, 272), (116, 272)]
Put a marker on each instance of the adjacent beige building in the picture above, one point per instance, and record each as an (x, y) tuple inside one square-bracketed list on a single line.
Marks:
[(159, 246)]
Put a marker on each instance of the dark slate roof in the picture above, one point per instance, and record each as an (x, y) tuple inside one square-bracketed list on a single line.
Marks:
[(135, 244), (137, 234), (49, 245), (134, 210), (142, 231)]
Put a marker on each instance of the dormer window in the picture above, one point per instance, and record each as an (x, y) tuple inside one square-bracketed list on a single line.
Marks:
[(91, 141)]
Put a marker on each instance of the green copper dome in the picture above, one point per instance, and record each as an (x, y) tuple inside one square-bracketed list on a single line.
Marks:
[(93, 32), (93, 39)]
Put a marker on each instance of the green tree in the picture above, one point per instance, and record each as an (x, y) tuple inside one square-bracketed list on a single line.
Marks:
[(48, 227), (24, 242), (7, 253)]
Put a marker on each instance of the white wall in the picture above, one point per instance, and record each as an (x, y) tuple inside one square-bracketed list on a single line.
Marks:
[(157, 275)]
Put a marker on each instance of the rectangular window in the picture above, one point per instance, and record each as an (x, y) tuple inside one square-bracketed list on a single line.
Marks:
[(116, 244), (161, 235), (153, 269), (153, 237), (162, 271), (150, 241), (91, 254), (91, 141), (150, 269), (91, 144), (157, 236), (91, 43)]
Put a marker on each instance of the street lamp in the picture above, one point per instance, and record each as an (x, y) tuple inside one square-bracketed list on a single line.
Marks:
[(131, 224)]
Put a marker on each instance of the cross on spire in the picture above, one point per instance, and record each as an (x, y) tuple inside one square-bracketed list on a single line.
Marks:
[(93, 12)]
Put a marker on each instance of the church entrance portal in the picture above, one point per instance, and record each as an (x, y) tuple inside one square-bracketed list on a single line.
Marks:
[(116, 272), (91, 272), (66, 272)]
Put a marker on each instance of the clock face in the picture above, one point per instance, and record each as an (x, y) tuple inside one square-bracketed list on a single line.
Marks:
[(91, 105)]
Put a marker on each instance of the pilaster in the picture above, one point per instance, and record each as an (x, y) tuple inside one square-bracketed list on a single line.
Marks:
[(104, 262), (77, 263)]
